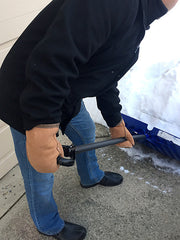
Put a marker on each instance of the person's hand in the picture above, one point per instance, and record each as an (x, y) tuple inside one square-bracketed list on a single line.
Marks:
[(120, 130), (43, 148)]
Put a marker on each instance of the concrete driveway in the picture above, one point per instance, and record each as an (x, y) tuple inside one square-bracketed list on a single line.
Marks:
[(145, 207)]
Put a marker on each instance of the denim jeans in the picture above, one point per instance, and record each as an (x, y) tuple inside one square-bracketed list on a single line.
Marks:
[(38, 186)]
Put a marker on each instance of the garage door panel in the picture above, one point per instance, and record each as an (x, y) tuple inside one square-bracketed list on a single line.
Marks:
[(16, 8), (7, 163), (3, 54), (16, 15), (2, 124), (6, 141), (14, 27)]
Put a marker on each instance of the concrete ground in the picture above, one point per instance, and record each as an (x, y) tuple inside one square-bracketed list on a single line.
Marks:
[(145, 207)]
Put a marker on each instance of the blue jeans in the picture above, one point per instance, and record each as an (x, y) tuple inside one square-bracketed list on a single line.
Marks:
[(38, 186)]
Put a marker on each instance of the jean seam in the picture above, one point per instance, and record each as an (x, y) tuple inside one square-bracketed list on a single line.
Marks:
[(31, 187), (32, 197)]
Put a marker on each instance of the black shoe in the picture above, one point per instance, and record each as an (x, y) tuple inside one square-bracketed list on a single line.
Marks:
[(71, 231), (110, 179)]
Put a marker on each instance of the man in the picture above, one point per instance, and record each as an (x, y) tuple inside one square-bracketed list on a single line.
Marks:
[(73, 49)]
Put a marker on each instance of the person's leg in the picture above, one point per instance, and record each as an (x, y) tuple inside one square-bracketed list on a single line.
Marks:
[(81, 130), (38, 188)]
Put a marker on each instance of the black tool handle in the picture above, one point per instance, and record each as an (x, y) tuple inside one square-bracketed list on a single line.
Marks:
[(91, 146), (70, 151)]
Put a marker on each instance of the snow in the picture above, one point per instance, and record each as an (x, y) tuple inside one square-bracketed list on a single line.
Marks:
[(150, 91), (162, 163)]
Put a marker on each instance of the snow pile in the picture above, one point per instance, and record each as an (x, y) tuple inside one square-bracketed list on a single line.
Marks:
[(150, 91)]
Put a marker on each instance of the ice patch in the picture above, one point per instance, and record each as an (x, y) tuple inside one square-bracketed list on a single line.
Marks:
[(124, 170), (146, 182), (162, 164)]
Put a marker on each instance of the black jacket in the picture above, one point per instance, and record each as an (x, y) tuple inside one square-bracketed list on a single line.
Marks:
[(73, 49)]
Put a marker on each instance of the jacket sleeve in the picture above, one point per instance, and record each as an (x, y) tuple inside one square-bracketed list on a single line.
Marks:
[(78, 30), (109, 105), (155, 9)]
